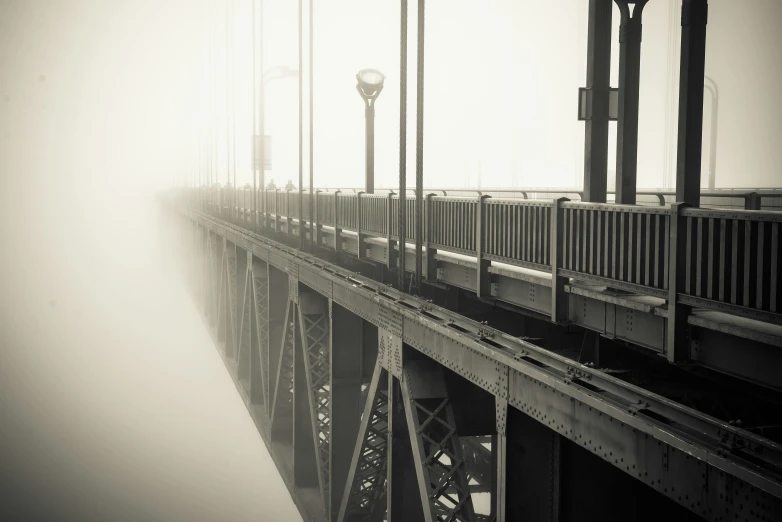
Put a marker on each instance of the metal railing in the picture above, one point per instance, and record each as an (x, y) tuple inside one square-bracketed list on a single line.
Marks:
[(732, 256)]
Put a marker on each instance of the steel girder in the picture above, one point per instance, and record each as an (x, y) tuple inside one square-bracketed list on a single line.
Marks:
[(260, 282), (245, 329), (365, 494), (314, 319), (282, 404), (437, 452), (697, 461)]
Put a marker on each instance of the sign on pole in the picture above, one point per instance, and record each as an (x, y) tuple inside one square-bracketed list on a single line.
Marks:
[(256, 152)]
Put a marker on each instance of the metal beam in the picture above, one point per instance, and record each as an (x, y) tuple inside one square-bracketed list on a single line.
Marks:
[(364, 497), (598, 82), (691, 76), (437, 452), (629, 86), (559, 393)]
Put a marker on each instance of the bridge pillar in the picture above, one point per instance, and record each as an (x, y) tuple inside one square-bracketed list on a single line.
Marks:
[(629, 85), (598, 81), (691, 73)]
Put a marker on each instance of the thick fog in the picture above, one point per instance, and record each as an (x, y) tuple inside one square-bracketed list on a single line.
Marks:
[(114, 405)]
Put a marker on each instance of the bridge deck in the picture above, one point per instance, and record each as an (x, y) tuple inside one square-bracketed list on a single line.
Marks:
[(696, 461)]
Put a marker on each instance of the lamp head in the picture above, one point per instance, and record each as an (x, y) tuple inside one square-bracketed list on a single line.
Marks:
[(370, 83)]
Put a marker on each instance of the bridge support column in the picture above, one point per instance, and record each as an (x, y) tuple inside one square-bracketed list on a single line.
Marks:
[(598, 81), (688, 171), (691, 73), (629, 85)]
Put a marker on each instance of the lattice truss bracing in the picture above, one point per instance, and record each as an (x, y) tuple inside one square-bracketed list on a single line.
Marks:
[(437, 450), (222, 298), (317, 353), (214, 278), (244, 327), (283, 394), (365, 496), (260, 282), (230, 263)]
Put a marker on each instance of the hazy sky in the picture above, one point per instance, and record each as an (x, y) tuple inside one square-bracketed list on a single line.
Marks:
[(114, 405)]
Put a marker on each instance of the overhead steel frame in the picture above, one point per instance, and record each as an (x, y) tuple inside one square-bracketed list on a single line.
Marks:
[(715, 470)]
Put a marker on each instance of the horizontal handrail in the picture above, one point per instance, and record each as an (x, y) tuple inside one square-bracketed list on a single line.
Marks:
[(731, 256)]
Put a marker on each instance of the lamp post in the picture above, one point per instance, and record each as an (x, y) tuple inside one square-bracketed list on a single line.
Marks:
[(711, 86), (370, 83)]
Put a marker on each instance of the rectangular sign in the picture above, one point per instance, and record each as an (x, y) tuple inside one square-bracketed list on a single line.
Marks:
[(255, 153)]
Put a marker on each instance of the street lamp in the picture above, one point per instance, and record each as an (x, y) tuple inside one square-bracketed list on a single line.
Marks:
[(711, 86), (370, 83)]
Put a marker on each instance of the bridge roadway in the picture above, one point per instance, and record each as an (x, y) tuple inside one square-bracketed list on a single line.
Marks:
[(568, 441)]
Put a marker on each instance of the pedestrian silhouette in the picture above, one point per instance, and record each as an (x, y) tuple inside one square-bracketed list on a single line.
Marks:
[(289, 186)]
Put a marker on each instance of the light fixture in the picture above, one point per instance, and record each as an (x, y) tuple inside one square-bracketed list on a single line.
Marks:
[(370, 83)]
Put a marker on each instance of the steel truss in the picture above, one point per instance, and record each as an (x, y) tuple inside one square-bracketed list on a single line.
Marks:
[(365, 498), (715, 470), (314, 318), (436, 448)]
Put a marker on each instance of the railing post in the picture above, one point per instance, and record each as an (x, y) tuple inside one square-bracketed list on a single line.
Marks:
[(337, 228), (752, 201), (359, 227), (391, 258), (678, 342), (430, 262), (482, 276), (317, 230), (277, 226), (559, 311), (288, 216)]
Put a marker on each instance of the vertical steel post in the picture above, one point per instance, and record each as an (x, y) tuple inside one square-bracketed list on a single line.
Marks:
[(369, 147), (430, 268), (402, 216), (482, 276), (629, 85), (312, 183), (688, 168), (691, 76), (419, 152), (301, 134), (557, 243), (598, 81)]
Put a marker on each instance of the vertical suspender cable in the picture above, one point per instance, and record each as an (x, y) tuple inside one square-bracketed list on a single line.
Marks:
[(312, 190), (233, 97), (301, 141), (227, 104), (255, 130), (261, 105), (401, 215), (419, 151)]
